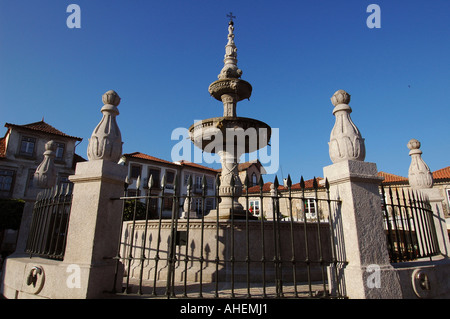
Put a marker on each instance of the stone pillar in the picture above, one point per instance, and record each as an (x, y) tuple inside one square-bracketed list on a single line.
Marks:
[(421, 179), (361, 240), (95, 219), (95, 223)]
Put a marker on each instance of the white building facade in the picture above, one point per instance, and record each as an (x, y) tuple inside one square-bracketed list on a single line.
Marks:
[(143, 166)]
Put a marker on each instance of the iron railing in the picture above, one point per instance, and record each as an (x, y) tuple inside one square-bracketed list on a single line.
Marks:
[(50, 220), (409, 225), (246, 257)]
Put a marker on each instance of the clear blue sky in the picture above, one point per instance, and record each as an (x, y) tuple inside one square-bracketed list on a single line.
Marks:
[(161, 56)]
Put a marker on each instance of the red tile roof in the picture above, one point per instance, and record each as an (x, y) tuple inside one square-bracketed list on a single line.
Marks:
[(246, 165), (41, 126), (309, 184), (155, 159), (443, 173), (147, 157), (391, 178), (186, 163)]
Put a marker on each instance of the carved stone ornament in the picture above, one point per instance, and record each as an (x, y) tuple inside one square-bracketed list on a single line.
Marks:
[(419, 173), (346, 142), (106, 141), (45, 174)]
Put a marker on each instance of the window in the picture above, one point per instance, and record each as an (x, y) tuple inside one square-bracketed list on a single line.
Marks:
[(198, 182), (6, 180), (135, 171), (448, 197), (60, 147), (254, 180), (254, 207), (210, 183), (168, 202), (310, 208), (27, 146), (186, 178), (198, 202), (170, 177), (209, 205), (155, 175)]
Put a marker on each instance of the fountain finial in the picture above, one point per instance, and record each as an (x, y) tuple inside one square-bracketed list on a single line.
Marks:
[(230, 69), (419, 173)]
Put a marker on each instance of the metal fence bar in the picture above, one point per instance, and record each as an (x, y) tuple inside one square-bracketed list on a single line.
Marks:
[(202, 260), (276, 257), (411, 233), (293, 260), (261, 216), (147, 207), (247, 236), (319, 242), (333, 244), (186, 258), (390, 238), (305, 221), (418, 225), (158, 242), (217, 259)]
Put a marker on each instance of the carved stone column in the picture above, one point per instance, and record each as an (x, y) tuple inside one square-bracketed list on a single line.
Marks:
[(230, 184), (229, 104)]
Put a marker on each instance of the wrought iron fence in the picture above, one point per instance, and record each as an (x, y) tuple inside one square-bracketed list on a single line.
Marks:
[(267, 256), (410, 229), (50, 219)]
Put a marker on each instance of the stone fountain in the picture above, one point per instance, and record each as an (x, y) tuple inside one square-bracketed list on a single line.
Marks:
[(230, 136), (219, 247)]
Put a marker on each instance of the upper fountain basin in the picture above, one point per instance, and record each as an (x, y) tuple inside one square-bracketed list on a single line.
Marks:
[(241, 88)]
